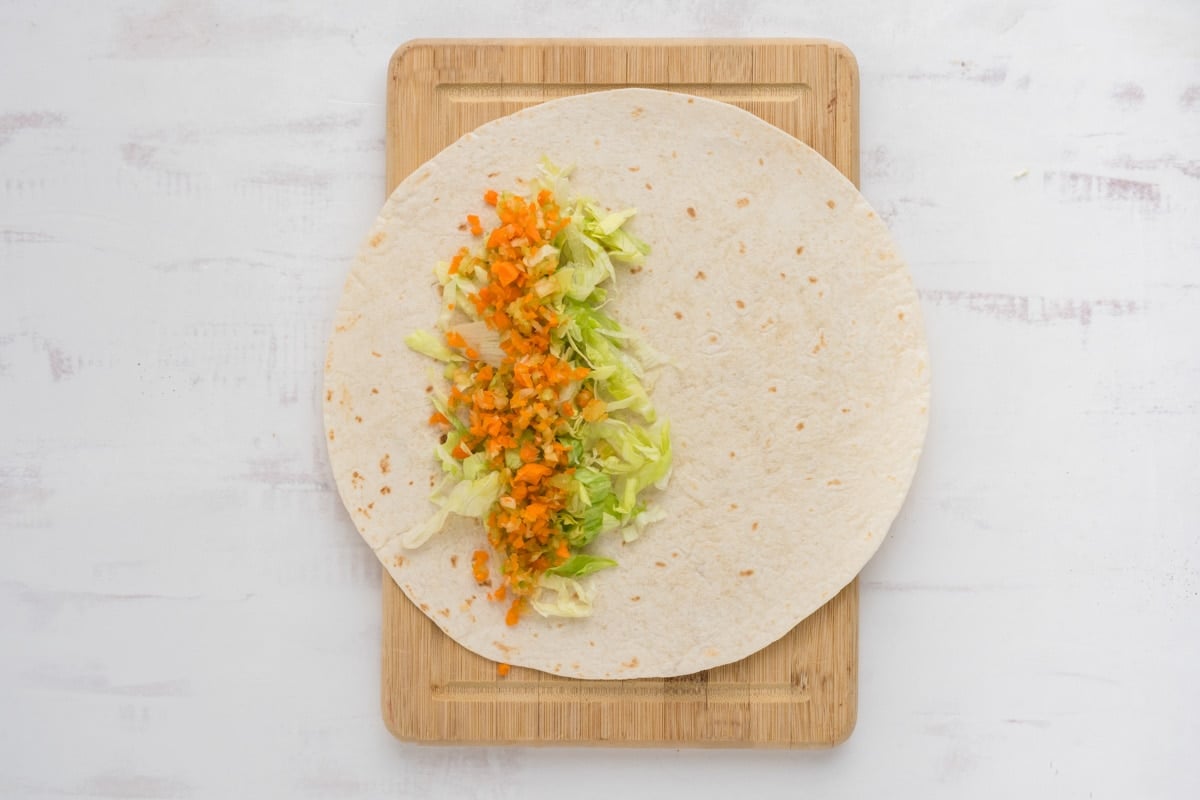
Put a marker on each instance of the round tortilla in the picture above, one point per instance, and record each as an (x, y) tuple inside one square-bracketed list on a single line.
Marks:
[(797, 390)]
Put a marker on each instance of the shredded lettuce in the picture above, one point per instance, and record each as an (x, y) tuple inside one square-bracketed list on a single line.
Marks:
[(467, 498), (428, 344), (580, 565), (570, 599)]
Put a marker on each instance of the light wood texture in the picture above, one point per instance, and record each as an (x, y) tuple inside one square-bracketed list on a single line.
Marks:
[(802, 690)]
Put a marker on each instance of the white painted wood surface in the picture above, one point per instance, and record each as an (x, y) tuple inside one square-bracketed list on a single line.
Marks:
[(185, 610)]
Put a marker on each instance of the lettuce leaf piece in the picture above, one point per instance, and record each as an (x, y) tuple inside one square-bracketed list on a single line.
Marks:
[(466, 498), (569, 599), (432, 345), (577, 566)]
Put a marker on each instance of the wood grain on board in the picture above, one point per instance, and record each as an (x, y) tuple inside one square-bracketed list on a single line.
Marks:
[(800, 691)]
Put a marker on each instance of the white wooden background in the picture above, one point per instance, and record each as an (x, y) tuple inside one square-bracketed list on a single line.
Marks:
[(185, 610)]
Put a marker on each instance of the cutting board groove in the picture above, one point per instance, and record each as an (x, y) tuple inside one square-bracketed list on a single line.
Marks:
[(801, 691)]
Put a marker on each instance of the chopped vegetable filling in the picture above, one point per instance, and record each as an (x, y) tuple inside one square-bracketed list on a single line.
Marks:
[(550, 435)]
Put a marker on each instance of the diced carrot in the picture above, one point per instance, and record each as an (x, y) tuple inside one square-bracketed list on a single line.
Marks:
[(438, 418), (502, 669), (506, 271), (455, 339)]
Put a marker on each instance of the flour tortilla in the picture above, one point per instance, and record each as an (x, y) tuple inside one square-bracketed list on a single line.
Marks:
[(797, 393)]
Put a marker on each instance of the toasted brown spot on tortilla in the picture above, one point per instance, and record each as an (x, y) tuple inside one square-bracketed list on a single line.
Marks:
[(691, 100), (424, 606), (772, 389), (462, 226), (845, 411), (633, 662), (739, 304), (830, 203), (674, 154), (674, 555), (691, 212), (834, 482), (799, 426), (466, 604), (634, 169), (754, 526), (732, 454), (356, 479), (820, 343), (358, 419), (700, 276), (634, 270), (493, 174), (678, 315), (742, 248), (445, 612), (364, 512), (660, 563), (399, 561), (760, 162), (454, 561), (712, 337), (743, 202), (800, 250), (502, 647), (348, 325), (783, 275), (331, 434), (371, 505), (635, 598), (812, 278), (637, 112), (428, 389), (374, 390), (649, 187), (329, 392), (377, 355), (820, 294), (596, 142), (900, 316), (377, 239), (591, 644), (385, 490), (746, 573), (385, 463), (733, 506)]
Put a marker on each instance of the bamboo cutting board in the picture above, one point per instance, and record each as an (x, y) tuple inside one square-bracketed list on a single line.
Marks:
[(802, 690)]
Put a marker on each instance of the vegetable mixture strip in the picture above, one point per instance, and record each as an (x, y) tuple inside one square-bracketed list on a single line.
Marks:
[(542, 439), (516, 406)]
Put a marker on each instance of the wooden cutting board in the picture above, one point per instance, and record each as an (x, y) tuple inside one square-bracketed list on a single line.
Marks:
[(801, 691)]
